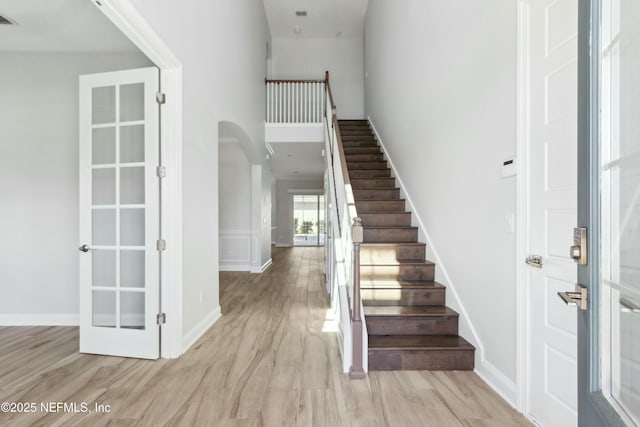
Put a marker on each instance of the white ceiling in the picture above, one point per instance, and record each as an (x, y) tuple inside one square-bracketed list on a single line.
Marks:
[(297, 160), (325, 18), (59, 26)]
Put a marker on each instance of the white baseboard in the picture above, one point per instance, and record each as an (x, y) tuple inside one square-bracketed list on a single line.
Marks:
[(497, 381), (197, 331), (39, 319), (284, 245), (234, 267), (263, 268)]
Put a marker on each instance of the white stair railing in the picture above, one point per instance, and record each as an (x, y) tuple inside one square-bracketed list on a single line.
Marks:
[(347, 235)]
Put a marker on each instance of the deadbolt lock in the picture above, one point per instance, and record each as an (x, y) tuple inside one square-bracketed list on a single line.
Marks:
[(578, 251)]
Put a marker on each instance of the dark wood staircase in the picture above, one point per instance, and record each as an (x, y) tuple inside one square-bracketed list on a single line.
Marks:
[(409, 326)]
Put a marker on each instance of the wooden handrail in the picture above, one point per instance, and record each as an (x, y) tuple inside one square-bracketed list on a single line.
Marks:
[(293, 81), (333, 104), (343, 161)]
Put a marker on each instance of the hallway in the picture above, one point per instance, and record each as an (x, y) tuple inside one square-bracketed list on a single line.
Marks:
[(271, 360)]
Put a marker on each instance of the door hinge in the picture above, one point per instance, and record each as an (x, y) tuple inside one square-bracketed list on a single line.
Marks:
[(161, 245), (161, 171), (161, 98), (161, 318)]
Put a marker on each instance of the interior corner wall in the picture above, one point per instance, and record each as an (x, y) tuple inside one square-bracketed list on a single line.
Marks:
[(266, 216), (39, 264), (236, 239), (272, 223), (284, 208), (222, 46), (302, 58), (441, 91)]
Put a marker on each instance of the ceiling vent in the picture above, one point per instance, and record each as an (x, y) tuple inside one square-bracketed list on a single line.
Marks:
[(301, 13), (6, 21)]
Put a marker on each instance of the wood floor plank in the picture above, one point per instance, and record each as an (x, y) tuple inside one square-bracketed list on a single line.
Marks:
[(271, 360)]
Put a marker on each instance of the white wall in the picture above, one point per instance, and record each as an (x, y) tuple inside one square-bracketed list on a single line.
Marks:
[(284, 214), (300, 58), (235, 209), (265, 215), (245, 211), (441, 90), (222, 47), (274, 205), (39, 181)]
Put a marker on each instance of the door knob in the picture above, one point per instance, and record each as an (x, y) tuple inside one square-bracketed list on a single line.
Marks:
[(84, 248)]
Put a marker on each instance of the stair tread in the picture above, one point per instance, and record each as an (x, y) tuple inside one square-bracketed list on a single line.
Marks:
[(374, 189), (399, 284), (387, 245), (367, 169), (419, 342), (381, 200), (364, 199), (399, 262), (361, 214), (388, 227), (409, 310)]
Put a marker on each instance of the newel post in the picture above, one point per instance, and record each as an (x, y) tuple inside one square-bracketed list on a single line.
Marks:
[(357, 235)]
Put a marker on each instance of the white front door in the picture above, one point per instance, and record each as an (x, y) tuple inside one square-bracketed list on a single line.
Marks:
[(119, 213), (552, 211)]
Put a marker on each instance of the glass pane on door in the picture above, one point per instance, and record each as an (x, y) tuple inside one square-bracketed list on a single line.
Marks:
[(308, 220), (118, 207), (103, 105), (620, 198)]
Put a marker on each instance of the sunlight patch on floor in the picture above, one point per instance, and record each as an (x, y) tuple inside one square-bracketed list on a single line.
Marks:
[(330, 325)]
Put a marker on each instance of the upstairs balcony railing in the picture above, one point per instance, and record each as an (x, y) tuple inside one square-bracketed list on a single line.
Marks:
[(296, 101)]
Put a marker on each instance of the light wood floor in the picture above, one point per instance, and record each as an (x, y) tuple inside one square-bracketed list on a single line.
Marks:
[(266, 362)]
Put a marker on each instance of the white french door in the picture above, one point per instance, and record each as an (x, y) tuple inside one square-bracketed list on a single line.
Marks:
[(119, 213), (552, 211)]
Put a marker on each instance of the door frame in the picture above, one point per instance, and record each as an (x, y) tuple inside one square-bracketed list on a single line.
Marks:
[(593, 408), (303, 192), (292, 204), (523, 198), (135, 27)]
